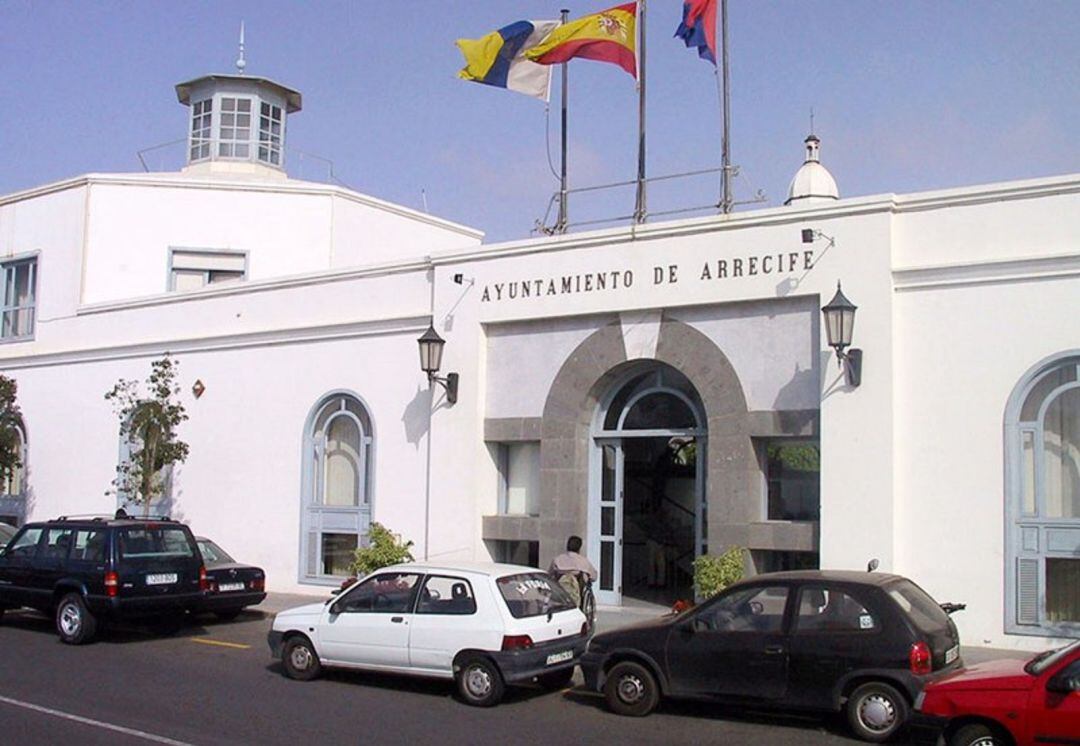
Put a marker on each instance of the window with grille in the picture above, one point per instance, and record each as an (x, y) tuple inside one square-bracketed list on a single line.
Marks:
[(234, 134), (201, 114)]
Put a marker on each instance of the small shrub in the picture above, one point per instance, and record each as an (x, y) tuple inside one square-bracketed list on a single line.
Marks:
[(713, 573), (384, 549)]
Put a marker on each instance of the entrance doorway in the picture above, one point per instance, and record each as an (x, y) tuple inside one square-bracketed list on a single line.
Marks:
[(647, 506)]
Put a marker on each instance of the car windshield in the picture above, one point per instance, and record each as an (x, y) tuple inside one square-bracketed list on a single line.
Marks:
[(212, 553), (1048, 658), (924, 611), (149, 542), (533, 594)]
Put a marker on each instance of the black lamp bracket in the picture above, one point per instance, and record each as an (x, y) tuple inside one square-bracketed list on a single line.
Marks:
[(449, 384)]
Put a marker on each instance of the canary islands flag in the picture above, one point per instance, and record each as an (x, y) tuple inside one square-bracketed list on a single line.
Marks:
[(698, 27), (498, 59), (607, 36)]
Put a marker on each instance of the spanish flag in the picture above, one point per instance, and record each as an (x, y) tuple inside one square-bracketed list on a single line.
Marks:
[(608, 36), (498, 59)]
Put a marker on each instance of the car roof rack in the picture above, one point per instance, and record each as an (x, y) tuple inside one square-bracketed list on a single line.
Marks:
[(100, 517), (84, 516)]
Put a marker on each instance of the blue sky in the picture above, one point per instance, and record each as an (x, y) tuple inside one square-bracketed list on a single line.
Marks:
[(907, 96)]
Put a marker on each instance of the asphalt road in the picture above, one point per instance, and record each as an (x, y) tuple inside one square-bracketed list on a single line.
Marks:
[(215, 683)]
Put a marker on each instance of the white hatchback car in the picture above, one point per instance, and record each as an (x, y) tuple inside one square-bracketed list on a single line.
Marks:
[(484, 626)]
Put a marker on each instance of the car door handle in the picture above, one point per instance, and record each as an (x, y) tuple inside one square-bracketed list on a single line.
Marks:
[(397, 619), (774, 649)]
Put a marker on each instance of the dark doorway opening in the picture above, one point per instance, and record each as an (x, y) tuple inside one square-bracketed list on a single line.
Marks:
[(660, 513)]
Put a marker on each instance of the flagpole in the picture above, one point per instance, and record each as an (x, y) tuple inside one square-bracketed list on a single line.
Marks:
[(725, 156), (561, 223), (639, 206)]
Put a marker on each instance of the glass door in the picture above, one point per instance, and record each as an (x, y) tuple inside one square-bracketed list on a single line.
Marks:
[(607, 516)]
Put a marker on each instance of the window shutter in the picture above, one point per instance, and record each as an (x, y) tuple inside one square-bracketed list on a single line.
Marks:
[(312, 553), (1027, 591)]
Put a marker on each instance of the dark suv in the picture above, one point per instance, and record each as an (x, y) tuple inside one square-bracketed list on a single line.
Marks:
[(86, 570)]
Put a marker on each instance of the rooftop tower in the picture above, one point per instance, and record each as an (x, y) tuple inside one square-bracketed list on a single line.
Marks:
[(813, 183), (237, 123)]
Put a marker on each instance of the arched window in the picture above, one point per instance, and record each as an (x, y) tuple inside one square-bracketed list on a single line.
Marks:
[(1042, 439), (13, 496), (336, 488)]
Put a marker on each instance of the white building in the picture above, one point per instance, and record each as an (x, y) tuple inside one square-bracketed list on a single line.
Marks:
[(661, 390)]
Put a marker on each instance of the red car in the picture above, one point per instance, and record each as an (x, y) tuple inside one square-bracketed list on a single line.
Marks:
[(1015, 702)]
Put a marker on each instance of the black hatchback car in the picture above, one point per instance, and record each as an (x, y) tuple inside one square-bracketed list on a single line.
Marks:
[(864, 643), (87, 570)]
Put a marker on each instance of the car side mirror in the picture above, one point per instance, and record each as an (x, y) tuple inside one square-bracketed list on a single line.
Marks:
[(699, 625), (1063, 684), (337, 607)]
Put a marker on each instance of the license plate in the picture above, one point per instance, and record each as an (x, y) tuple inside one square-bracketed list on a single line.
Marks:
[(565, 655), (161, 578), (231, 587), (952, 654)]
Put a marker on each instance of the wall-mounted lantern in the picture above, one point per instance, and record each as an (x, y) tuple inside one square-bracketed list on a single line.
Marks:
[(431, 349), (839, 324)]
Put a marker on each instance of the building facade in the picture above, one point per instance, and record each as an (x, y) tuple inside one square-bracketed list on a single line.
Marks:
[(663, 391)]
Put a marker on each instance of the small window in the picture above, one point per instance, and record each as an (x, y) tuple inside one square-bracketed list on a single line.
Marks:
[(154, 543), (191, 270), (270, 124), (829, 610), (443, 595), (533, 594), (388, 593), (793, 479), (20, 299), (747, 610), (89, 546), (201, 112), (25, 544), (57, 543), (234, 128), (520, 478)]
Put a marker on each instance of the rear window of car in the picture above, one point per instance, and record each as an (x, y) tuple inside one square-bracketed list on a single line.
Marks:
[(155, 542), (533, 594), (924, 611)]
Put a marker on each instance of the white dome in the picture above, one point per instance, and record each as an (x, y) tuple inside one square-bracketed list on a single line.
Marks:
[(812, 183)]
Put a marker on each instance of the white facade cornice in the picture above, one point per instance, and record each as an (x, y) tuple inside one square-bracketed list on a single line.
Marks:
[(259, 286), (264, 338), (980, 273), (291, 186)]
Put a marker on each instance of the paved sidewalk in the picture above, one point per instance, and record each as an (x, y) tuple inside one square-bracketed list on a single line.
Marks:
[(612, 617)]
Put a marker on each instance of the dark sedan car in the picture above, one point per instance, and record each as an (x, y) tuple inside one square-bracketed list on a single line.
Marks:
[(865, 643), (233, 585)]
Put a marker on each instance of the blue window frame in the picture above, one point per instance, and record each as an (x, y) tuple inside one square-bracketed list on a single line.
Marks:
[(1042, 488)]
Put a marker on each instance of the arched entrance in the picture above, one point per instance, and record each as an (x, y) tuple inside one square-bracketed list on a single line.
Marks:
[(646, 512)]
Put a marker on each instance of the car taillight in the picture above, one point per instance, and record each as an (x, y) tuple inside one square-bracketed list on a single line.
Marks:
[(112, 584), (920, 658), (516, 642), (259, 584), (204, 583)]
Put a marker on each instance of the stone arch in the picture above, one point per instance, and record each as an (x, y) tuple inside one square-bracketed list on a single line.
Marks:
[(588, 372)]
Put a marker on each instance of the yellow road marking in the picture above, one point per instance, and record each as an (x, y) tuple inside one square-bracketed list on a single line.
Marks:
[(219, 643)]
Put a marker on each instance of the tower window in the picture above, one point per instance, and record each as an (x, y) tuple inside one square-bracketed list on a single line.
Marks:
[(234, 135), (200, 129), (270, 134)]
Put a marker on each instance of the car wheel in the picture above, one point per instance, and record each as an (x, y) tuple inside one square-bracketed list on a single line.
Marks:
[(876, 711), (74, 622), (556, 679), (227, 615), (975, 734), (300, 659), (631, 689), (480, 683)]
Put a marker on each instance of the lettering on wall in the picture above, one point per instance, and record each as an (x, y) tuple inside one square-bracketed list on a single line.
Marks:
[(783, 263)]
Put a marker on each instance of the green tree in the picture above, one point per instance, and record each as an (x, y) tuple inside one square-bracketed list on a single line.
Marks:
[(148, 424), (383, 549), (10, 438)]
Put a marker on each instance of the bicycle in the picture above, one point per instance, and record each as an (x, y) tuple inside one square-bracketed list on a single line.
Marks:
[(588, 604)]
